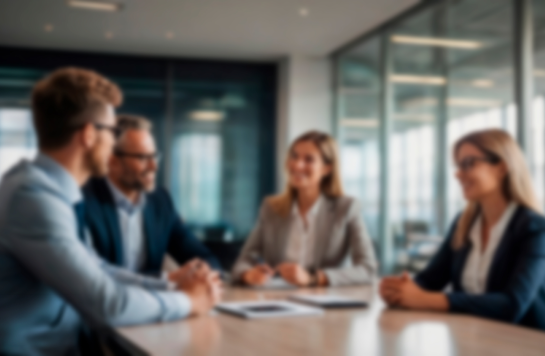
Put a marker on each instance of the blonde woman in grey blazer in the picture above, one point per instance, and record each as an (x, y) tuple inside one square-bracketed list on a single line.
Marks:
[(311, 235)]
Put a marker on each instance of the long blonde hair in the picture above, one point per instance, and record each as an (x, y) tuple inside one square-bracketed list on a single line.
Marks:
[(331, 185), (517, 186)]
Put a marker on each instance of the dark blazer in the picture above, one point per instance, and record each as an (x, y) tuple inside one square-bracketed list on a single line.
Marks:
[(164, 229), (515, 288)]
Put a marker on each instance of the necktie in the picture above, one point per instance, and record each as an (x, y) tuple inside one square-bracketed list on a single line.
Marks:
[(79, 209)]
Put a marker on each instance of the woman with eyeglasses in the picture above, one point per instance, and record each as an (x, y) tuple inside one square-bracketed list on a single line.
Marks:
[(494, 255), (312, 234)]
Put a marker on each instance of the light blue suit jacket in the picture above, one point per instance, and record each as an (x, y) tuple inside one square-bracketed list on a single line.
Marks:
[(50, 281)]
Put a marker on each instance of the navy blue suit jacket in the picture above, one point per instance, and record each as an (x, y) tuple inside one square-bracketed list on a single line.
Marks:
[(515, 288), (164, 229)]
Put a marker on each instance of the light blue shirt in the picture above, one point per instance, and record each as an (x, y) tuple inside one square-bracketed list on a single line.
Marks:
[(49, 280), (131, 223)]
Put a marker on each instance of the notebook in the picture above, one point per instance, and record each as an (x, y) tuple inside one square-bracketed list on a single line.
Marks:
[(267, 309), (329, 300)]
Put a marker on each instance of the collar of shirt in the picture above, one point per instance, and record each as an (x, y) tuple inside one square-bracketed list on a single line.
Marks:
[(476, 270), (123, 203), (312, 212), (496, 231), (60, 175)]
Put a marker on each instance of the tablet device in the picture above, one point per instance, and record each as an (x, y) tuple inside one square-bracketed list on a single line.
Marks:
[(267, 309), (329, 301)]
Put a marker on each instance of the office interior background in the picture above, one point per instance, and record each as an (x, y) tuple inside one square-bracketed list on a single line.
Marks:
[(396, 84)]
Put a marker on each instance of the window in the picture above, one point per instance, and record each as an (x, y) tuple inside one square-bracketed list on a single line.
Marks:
[(213, 121), (429, 76), (196, 182), (17, 139)]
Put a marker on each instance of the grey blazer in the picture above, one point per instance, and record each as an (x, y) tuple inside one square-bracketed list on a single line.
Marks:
[(343, 249)]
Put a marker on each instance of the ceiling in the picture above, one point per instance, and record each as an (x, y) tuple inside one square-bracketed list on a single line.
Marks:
[(227, 29)]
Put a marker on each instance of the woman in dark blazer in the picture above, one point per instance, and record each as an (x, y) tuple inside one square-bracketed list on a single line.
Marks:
[(494, 256)]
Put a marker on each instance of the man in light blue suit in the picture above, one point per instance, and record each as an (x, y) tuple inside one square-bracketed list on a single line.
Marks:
[(50, 279)]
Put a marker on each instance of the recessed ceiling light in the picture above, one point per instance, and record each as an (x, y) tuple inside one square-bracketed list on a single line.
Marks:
[(417, 79), (434, 41), (363, 122), (304, 12), (539, 73), (95, 5), (413, 117), (109, 35), (48, 27), (207, 115), (169, 35), (482, 83)]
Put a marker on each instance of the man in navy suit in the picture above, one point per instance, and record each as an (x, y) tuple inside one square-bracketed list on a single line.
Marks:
[(132, 223)]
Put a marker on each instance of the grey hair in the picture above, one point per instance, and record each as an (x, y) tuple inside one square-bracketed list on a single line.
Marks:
[(133, 122)]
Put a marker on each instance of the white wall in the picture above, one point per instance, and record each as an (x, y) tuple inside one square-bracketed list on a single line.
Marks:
[(305, 102)]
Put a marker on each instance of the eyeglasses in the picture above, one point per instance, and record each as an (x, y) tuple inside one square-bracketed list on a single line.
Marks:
[(156, 157), (469, 163), (116, 131)]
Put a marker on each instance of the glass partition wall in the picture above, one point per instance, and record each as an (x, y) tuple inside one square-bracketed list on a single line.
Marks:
[(213, 121), (406, 92)]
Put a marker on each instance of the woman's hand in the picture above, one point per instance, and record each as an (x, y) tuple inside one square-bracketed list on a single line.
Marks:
[(390, 289), (294, 274), (258, 275), (403, 292)]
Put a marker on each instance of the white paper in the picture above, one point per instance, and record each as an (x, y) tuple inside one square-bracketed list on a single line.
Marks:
[(276, 283), (267, 309)]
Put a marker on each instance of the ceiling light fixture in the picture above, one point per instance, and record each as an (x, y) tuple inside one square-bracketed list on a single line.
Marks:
[(95, 5), (417, 79), (207, 115), (362, 123), (453, 101), (438, 42), (414, 117), (303, 12), (109, 35), (482, 83), (472, 103), (48, 27), (169, 35), (539, 73)]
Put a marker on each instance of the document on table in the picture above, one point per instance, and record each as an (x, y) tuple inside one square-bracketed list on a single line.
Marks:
[(276, 283), (267, 309), (329, 300)]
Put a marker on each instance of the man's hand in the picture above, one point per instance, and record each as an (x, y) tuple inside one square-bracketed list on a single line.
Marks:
[(258, 275), (187, 274), (294, 274), (204, 293), (201, 284)]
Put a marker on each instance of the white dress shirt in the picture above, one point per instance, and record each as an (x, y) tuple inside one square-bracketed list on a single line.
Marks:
[(131, 224), (301, 240), (478, 262)]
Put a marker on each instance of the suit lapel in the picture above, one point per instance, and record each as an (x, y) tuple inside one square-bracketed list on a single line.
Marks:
[(324, 223), (502, 249), (282, 230), (152, 260), (112, 218)]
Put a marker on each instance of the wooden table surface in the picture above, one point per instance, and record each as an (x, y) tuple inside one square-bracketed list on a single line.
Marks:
[(376, 330)]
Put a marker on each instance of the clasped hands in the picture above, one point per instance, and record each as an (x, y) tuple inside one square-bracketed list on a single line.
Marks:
[(291, 272), (402, 292), (200, 283)]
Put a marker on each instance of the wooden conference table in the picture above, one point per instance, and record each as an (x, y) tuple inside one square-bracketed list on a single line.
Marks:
[(376, 330)]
